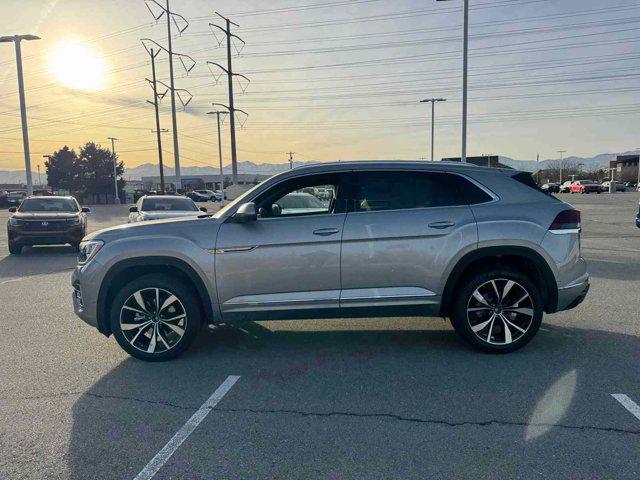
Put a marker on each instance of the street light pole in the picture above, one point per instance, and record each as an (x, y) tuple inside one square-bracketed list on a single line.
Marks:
[(561, 152), (115, 175), (433, 116), (17, 39)]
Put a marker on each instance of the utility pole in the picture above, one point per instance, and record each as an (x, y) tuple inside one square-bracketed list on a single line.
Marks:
[(39, 179), (229, 71), (17, 39), (291, 160), (115, 175), (561, 152), (433, 116), (154, 86), (465, 50), (171, 16), (217, 113), (48, 157)]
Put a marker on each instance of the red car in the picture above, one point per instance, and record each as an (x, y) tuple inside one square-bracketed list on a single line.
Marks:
[(584, 186)]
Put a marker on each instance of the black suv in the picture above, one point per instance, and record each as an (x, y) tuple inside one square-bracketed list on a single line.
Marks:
[(46, 221)]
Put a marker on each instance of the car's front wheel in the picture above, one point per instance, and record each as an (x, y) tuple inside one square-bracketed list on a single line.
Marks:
[(497, 311), (155, 318), (15, 248)]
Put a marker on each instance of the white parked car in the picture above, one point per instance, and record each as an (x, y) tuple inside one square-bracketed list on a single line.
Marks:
[(157, 207), (211, 195), (619, 186)]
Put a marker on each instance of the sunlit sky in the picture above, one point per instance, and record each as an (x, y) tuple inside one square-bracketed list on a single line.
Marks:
[(332, 80)]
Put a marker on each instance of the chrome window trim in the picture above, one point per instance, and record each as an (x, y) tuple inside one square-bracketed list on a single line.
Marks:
[(565, 231)]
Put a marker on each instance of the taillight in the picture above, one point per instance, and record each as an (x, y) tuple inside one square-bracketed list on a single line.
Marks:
[(566, 220)]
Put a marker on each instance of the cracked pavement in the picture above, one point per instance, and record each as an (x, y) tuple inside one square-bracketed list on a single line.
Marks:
[(357, 399)]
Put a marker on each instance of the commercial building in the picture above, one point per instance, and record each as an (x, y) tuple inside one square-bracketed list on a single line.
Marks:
[(626, 167), (211, 182), (483, 161)]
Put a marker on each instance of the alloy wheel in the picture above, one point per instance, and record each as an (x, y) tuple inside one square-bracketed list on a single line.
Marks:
[(153, 320), (500, 311)]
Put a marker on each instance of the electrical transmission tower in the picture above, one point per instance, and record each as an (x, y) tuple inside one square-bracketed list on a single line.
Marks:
[(230, 75), (156, 97), (172, 17)]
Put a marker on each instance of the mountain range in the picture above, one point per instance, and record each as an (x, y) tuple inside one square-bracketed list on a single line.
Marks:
[(151, 169)]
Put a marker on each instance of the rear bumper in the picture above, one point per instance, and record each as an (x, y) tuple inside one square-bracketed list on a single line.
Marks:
[(572, 295)]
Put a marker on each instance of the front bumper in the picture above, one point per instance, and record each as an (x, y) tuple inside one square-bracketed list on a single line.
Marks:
[(573, 294), (71, 235), (85, 293)]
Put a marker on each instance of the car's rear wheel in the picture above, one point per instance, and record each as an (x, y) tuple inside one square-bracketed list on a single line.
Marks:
[(155, 318), (15, 248), (497, 311)]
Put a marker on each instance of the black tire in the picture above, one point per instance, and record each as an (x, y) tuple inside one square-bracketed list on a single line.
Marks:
[(187, 304), (463, 299), (76, 247), (15, 248)]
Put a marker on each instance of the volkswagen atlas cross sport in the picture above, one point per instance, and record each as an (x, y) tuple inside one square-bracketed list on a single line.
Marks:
[(46, 220), (482, 246)]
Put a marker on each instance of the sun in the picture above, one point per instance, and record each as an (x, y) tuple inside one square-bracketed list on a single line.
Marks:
[(77, 66)]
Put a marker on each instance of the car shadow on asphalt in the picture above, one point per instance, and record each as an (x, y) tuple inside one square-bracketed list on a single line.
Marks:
[(614, 270), (545, 390), (38, 261)]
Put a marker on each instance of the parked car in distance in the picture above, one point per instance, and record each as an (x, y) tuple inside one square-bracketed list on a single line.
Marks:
[(156, 207), (211, 195), (566, 187), (298, 203), (585, 186), (485, 248), (551, 187), (618, 186), (638, 215), (46, 221), (197, 197), (15, 197)]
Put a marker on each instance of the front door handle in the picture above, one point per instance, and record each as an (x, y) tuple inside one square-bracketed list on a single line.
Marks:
[(441, 225), (324, 232)]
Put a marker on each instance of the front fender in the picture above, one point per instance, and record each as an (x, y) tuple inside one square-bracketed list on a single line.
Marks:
[(148, 251)]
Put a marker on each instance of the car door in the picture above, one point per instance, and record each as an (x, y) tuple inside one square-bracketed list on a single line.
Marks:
[(402, 230), (288, 260)]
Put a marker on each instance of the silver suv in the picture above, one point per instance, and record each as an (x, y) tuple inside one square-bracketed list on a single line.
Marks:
[(483, 247)]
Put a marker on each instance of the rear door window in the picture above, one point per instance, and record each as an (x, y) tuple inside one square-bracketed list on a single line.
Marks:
[(401, 190)]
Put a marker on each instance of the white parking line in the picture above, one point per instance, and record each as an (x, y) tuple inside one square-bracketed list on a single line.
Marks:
[(187, 429), (627, 403)]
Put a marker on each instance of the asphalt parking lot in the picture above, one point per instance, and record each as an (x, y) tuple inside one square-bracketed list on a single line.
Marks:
[(360, 399)]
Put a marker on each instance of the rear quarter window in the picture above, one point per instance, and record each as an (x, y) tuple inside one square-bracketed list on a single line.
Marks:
[(526, 178)]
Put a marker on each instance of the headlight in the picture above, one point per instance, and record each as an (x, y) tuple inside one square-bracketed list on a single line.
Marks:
[(14, 222), (74, 221), (88, 250)]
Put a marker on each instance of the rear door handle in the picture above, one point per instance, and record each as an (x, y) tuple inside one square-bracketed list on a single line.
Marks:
[(441, 225), (324, 232)]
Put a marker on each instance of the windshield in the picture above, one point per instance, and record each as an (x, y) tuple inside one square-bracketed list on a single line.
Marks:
[(165, 204), (49, 205)]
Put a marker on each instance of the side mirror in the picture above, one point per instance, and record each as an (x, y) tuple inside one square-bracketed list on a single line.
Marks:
[(246, 213), (203, 209), (133, 209), (13, 209), (86, 210)]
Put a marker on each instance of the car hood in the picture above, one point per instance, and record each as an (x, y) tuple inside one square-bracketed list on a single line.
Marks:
[(201, 230), (44, 215), (172, 214)]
